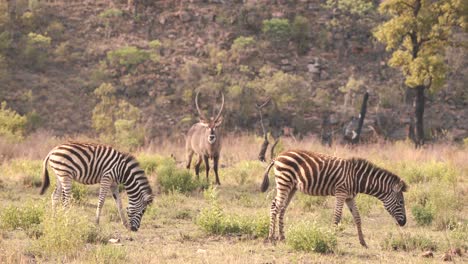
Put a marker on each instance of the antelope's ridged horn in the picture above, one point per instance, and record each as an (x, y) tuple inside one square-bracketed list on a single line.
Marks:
[(202, 117), (220, 110)]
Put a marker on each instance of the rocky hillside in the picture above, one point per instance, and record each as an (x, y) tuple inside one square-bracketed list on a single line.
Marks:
[(178, 47)]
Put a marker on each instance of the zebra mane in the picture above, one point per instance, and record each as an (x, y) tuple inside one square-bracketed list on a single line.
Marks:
[(361, 161)]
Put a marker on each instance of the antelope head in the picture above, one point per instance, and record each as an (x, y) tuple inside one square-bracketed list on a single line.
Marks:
[(212, 123)]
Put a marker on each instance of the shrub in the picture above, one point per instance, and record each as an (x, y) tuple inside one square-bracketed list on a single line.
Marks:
[(422, 214), (214, 221), (408, 242), (65, 232), (12, 125), (171, 178), (308, 237), (36, 50), (277, 30), (26, 217), (55, 30), (127, 56), (300, 31), (79, 193), (111, 12)]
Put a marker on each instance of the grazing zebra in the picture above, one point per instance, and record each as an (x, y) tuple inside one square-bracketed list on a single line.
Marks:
[(318, 174), (92, 164)]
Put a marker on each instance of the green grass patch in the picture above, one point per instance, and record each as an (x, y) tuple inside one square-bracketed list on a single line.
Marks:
[(28, 172), (108, 254), (408, 242), (65, 233), (306, 236), (214, 221), (245, 172), (422, 172)]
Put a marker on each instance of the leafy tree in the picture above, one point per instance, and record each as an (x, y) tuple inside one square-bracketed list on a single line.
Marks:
[(277, 30), (12, 125), (417, 33), (351, 19), (117, 120)]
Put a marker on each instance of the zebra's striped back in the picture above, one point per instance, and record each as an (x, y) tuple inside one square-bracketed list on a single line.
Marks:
[(314, 174), (93, 163)]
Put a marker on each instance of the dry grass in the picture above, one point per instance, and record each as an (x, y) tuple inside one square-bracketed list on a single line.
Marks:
[(170, 234)]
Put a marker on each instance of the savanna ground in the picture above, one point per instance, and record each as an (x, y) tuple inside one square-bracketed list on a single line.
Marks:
[(228, 224)]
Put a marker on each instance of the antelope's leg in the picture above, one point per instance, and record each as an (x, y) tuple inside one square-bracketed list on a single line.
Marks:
[(215, 168), (340, 199), (207, 166), (282, 211), (197, 166), (66, 190), (103, 189), (189, 158), (351, 203), (118, 201)]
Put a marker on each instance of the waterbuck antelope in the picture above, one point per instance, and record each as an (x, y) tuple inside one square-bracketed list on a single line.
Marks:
[(204, 138)]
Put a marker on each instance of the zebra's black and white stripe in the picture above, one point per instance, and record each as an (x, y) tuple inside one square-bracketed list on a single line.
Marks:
[(92, 164), (319, 174)]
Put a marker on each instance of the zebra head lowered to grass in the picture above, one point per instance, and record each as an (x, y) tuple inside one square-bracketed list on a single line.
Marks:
[(204, 139), (319, 174), (92, 164)]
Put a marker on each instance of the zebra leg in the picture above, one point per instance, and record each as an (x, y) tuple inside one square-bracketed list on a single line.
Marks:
[(66, 191), (340, 199), (57, 194), (207, 166), (197, 166), (282, 211), (103, 189), (215, 168), (351, 203), (118, 201), (273, 213)]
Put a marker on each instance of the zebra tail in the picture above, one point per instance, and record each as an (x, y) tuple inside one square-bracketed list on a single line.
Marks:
[(45, 176), (266, 179)]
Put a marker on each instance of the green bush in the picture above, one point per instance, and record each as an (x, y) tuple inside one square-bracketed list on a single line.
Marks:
[(36, 50), (65, 232), (308, 237), (111, 12), (171, 178), (127, 56), (55, 30), (300, 31), (214, 221), (408, 242), (25, 217), (79, 192), (422, 214), (277, 30), (12, 125)]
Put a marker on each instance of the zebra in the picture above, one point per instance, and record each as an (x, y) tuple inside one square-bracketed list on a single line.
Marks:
[(322, 175), (94, 163)]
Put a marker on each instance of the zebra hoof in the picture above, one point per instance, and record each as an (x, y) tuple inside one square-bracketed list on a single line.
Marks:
[(281, 238)]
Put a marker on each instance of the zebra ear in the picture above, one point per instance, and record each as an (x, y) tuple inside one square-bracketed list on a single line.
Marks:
[(400, 187)]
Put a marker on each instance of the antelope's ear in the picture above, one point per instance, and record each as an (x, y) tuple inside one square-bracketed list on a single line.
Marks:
[(400, 187), (204, 123), (219, 121)]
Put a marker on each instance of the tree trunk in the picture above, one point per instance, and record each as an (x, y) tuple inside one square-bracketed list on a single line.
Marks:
[(11, 10), (362, 115), (419, 113)]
